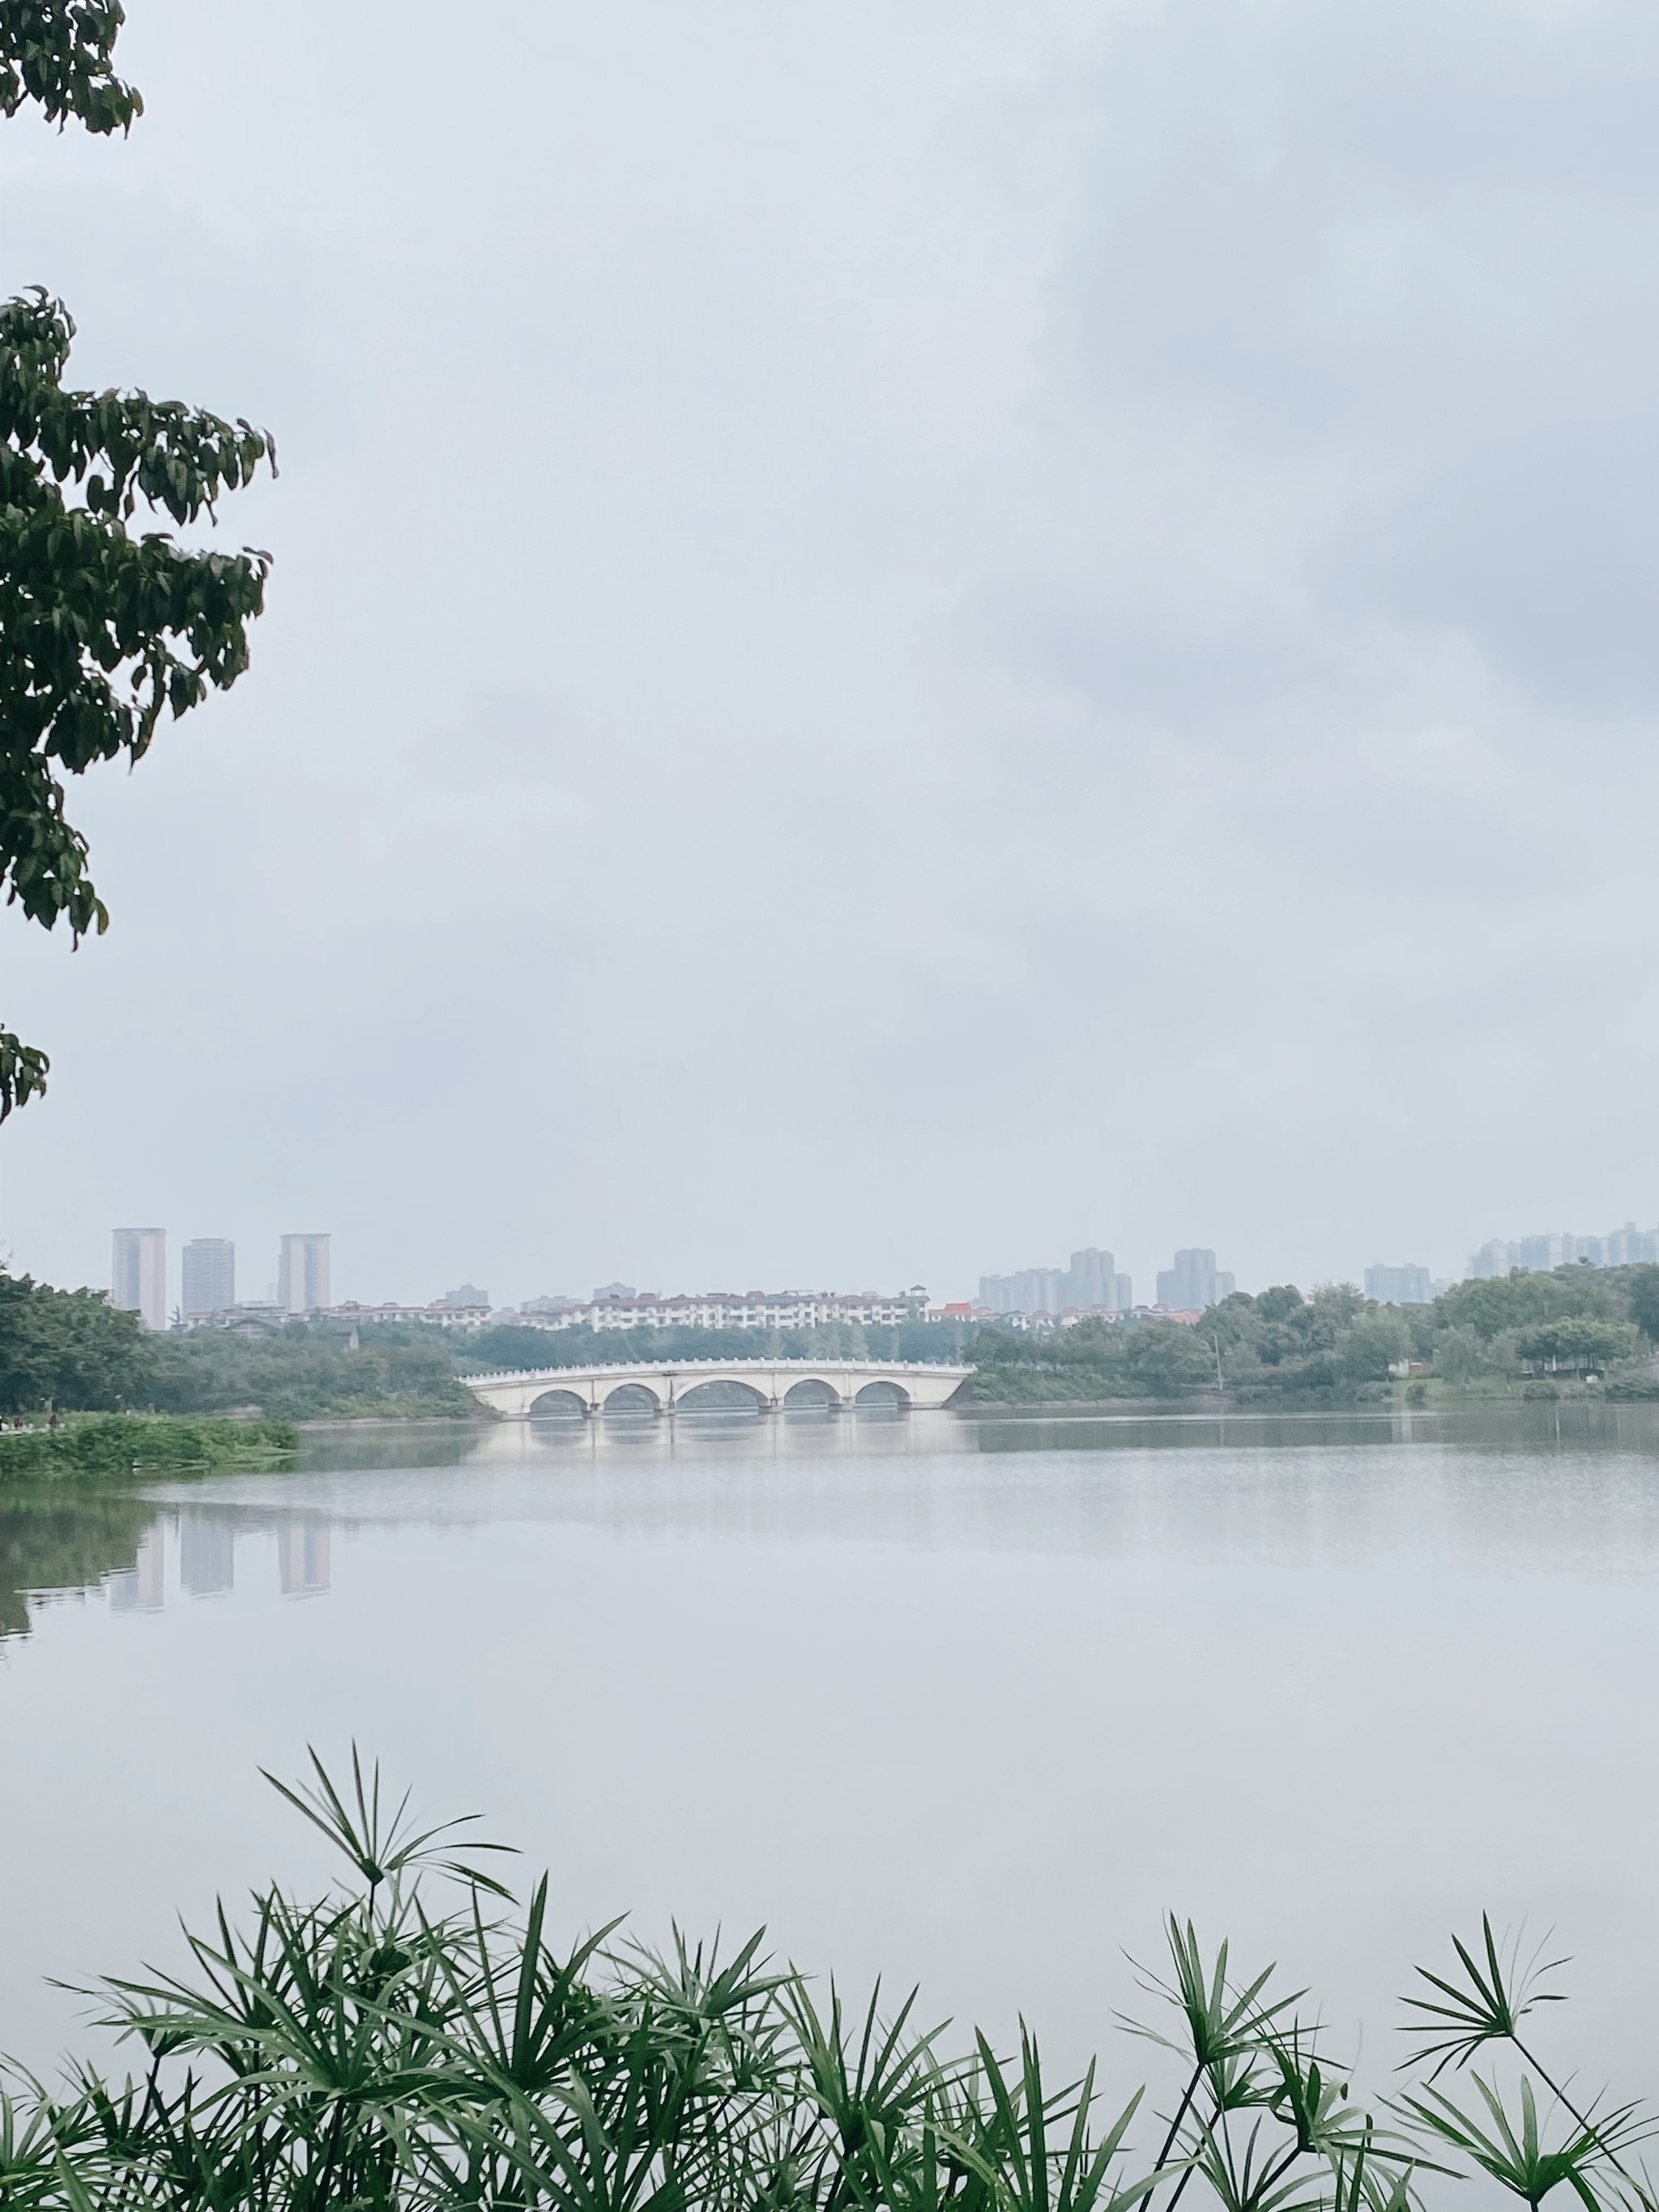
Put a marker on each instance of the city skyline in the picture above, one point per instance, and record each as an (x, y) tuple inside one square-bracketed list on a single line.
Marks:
[(138, 1278)]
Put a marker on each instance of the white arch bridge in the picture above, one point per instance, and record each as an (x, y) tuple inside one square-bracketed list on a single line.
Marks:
[(672, 1386)]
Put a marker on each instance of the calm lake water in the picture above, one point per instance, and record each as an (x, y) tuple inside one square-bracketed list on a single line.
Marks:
[(966, 1701)]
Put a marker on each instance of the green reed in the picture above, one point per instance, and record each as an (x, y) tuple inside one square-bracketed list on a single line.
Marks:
[(411, 2038)]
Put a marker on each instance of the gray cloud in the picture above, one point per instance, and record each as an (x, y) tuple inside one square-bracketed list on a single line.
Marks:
[(899, 642)]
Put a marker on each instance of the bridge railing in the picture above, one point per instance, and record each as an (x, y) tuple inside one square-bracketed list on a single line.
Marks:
[(701, 1366)]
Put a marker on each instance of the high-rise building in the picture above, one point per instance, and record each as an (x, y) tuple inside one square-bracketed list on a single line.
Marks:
[(302, 1285), (1541, 1253), (1031, 1290), (1619, 1247), (1090, 1284), (138, 1274), (209, 1276), (1093, 1283), (1193, 1282), (1399, 1286)]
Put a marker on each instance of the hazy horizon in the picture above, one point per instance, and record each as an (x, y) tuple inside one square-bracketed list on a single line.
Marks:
[(900, 644)]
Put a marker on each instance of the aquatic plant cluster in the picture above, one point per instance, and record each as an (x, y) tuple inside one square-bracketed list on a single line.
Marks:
[(114, 1445), (369, 2047)]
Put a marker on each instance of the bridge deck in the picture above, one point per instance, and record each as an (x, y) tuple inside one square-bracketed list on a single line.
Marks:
[(926, 1383), (717, 1367)]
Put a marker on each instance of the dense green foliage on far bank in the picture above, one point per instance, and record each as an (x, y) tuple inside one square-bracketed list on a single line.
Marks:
[(380, 2046), (73, 1349), (106, 1445), (67, 1348), (310, 1370), (1523, 1332)]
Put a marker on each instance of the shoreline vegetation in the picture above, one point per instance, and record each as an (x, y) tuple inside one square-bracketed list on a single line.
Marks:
[(101, 1446), (1577, 1332), (410, 2037)]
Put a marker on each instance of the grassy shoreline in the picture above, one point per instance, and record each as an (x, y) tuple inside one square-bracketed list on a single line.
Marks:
[(1438, 1397), (105, 1447)]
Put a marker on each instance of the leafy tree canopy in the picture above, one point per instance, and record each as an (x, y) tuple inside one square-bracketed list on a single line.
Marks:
[(67, 1348), (1334, 1345), (1645, 1301), (1522, 1300), (103, 626), (60, 54)]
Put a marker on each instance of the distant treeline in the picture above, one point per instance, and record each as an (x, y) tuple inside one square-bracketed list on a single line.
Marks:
[(1538, 1332), (72, 1350)]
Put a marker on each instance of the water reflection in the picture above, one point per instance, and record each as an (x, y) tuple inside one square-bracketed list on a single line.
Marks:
[(139, 1556), (1331, 1485), (141, 1587), (966, 1701), (207, 1553), (302, 1555), (58, 1539)]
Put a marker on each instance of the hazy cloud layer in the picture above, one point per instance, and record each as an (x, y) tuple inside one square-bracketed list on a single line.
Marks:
[(902, 639)]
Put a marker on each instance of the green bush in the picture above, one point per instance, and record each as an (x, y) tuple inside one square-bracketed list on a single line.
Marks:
[(1628, 1388), (115, 1444)]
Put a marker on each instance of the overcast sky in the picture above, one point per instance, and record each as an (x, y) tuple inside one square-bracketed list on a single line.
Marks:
[(903, 638)]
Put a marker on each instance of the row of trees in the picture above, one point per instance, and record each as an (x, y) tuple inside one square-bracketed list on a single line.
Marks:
[(1336, 1345), (73, 1351)]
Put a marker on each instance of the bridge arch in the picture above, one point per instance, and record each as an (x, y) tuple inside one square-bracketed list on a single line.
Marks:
[(721, 1394), (557, 1405), (632, 1398), (811, 1394), (883, 1395)]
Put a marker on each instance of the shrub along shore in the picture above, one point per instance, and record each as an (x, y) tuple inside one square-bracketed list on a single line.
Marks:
[(105, 1445)]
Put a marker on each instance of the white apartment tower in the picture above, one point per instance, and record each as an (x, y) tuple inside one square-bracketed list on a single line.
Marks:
[(138, 1274), (302, 1284), (209, 1276)]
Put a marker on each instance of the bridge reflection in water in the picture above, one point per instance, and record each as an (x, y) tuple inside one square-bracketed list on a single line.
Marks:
[(765, 1386)]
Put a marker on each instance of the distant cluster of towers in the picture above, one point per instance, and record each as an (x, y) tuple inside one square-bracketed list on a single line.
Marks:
[(138, 1275), (1092, 1285)]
